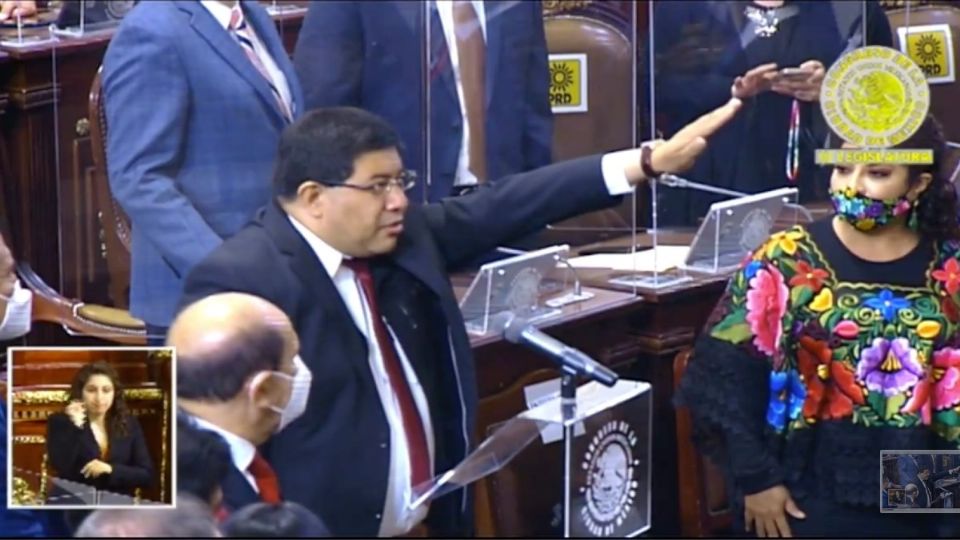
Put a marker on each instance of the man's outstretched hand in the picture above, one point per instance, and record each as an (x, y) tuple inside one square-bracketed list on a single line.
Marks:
[(678, 153)]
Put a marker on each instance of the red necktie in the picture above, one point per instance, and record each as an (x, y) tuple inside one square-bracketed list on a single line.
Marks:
[(241, 32), (265, 478), (412, 423)]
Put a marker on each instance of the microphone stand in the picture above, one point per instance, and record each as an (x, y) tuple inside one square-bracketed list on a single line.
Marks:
[(674, 181)]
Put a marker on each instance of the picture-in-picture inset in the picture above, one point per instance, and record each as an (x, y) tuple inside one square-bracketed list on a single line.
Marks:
[(90, 427)]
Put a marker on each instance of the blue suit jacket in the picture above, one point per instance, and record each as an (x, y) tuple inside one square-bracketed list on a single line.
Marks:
[(371, 55), (193, 131)]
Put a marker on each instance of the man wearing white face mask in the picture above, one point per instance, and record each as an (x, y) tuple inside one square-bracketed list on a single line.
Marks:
[(14, 301), (239, 375)]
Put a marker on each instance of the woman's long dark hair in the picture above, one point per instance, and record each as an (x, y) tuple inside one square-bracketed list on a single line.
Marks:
[(117, 414), (937, 209)]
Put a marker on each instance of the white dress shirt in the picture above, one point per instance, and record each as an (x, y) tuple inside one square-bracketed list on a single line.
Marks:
[(242, 451), (445, 10), (397, 518), (16, 316), (221, 13)]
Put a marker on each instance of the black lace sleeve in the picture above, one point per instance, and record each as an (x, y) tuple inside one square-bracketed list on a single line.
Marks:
[(726, 392)]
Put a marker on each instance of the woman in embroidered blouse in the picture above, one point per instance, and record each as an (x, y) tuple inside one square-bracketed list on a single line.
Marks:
[(833, 342), (96, 441)]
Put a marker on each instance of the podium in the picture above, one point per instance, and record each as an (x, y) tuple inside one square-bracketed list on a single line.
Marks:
[(601, 487)]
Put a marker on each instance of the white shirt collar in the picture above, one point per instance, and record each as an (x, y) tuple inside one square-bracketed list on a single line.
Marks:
[(330, 258), (219, 11), (242, 451)]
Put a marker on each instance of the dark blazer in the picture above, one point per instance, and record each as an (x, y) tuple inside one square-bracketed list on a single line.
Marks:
[(70, 448), (192, 135), (237, 492), (334, 459), (371, 55)]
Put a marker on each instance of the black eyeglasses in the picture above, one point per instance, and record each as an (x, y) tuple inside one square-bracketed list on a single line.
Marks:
[(405, 180)]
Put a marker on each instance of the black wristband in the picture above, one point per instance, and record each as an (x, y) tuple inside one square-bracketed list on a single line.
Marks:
[(646, 161)]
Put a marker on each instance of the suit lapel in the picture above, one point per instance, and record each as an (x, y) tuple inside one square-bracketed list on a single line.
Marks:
[(494, 16), (231, 52), (237, 491), (305, 264), (415, 261)]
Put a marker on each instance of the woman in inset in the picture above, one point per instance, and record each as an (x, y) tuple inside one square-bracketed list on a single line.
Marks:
[(833, 342), (96, 441)]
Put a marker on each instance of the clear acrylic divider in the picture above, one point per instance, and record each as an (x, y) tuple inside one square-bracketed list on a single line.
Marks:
[(513, 287), (602, 484), (699, 56), (735, 228)]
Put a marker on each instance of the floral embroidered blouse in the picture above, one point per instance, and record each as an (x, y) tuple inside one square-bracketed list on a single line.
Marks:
[(815, 361)]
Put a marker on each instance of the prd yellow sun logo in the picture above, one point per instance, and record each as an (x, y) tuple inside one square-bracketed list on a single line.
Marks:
[(927, 49), (561, 77)]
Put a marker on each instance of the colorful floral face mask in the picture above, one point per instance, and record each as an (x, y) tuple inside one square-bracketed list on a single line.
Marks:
[(865, 213)]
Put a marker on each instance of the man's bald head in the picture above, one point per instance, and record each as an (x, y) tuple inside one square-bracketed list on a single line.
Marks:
[(224, 339)]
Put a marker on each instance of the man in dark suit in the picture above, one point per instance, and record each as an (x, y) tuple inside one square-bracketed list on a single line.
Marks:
[(196, 95), (489, 107), (395, 397), (239, 375)]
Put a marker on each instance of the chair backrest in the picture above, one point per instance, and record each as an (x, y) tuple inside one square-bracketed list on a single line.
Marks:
[(114, 223), (609, 122), (943, 95), (78, 318), (705, 509)]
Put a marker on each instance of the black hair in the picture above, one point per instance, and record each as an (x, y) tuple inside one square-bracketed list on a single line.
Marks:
[(284, 520), (220, 374), (203, 460), (324, 144), (937, 211), (118, 413)]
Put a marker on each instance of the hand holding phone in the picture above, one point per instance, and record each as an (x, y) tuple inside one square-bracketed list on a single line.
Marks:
[(794, 74), (77, 413)]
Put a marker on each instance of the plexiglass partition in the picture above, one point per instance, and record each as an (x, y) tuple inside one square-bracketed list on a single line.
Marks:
[(773, 56)]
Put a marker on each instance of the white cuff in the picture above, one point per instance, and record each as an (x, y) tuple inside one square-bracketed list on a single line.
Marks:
[(614, 167)]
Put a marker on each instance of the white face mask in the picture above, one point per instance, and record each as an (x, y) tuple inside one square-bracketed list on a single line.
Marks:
[(299, 391), (16, 321)]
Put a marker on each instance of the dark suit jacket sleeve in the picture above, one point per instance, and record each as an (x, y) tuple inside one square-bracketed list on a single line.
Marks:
[(467, 226), (878, 26), (65, 445), (137, 470), (329, 55), (538, 128), (147, 104), (216, 274)]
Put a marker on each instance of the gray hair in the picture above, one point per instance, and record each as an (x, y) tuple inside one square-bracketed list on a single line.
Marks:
[(190, 519)]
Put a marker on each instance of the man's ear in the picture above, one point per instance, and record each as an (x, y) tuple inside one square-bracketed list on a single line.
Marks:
[(312, 196), (259, 389)]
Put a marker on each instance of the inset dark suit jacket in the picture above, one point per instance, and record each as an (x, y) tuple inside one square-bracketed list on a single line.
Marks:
[(70, 448)]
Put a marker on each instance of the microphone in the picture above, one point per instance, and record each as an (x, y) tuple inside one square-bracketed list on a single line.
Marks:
[(572, 361)]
